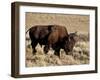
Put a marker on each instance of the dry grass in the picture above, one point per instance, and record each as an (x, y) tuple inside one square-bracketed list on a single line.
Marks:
[(80, 53)]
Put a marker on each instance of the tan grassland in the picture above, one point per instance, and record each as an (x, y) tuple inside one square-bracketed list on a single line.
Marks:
[(80, 53)]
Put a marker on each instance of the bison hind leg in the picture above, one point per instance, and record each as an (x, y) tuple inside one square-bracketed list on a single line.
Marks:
[(33, 44)]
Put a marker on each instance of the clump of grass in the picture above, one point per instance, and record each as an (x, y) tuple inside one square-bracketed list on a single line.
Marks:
[(82, 44), (69, 60), (84, 59), (81, 52), (52, 60), (83, 37), (28, 46), (83, 47), (29, 63)]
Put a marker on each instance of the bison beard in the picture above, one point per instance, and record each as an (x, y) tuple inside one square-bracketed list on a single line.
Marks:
[(52, 36)]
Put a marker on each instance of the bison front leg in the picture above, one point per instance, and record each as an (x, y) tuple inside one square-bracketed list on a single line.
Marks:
[(66, 50), (57, 52)]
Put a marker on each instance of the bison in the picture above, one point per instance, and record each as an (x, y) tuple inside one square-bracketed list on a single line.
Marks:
[(52, 36)]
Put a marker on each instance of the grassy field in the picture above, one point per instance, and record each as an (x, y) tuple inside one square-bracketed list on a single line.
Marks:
[(80, 53)]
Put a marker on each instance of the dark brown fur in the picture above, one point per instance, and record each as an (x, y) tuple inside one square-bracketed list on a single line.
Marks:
[(39, 34)]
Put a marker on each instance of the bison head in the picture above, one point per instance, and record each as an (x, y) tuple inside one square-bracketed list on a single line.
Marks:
[(70, 42), (73, 37)]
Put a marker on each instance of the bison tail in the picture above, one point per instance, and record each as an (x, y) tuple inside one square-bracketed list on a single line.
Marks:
[(27, 30)]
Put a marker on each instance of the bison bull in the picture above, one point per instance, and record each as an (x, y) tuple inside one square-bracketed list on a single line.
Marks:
[(52, 36)]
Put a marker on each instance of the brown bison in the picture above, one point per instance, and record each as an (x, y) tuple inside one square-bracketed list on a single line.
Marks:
[(52, 36)]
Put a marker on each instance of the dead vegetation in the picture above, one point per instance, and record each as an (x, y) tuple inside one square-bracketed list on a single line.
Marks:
[(72, 22), (79, 55)]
